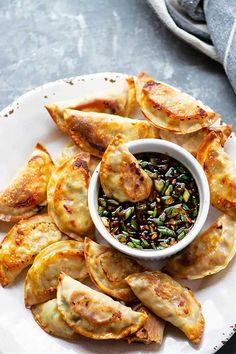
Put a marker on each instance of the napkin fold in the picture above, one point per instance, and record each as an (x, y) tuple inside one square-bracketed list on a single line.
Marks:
[(209, 26)]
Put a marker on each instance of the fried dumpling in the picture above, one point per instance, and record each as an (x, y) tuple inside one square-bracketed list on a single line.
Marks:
[(153, 329), (209, 253), (68, 197), (170, 301), (50, 320), (170, 109), (27, 193), (70, 150), (192, 141), (41, 281), (93, 132), (93, 314), (117, 100), (23, 242), (120, 175), (93, 163), (108, 269), (220, 171)]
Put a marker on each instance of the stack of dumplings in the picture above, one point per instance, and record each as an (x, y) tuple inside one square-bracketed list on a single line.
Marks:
[(77, 288)]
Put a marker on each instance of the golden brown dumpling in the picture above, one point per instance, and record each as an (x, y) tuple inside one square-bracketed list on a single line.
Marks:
[(93, 163), (68, 197), (50, 320), (108, 269), (70, 150), (170, 109), (93, 132), (23, 242), (93, 314), (120, 175), (170, 301), (209, 253), (119, 99), (220, 171), (152, 331), (27, 193), (41, 281), (192, 141)]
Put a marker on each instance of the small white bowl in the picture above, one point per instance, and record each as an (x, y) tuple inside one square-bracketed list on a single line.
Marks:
[(180, 154)]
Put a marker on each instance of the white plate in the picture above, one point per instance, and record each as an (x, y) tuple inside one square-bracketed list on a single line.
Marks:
[(22, 125)]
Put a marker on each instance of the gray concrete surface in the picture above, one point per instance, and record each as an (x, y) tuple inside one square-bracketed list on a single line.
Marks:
[(43, 40)]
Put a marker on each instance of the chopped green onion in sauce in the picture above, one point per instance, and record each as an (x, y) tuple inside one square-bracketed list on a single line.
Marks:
[(163, 219)]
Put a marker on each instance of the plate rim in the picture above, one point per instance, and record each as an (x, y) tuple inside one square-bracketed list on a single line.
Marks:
[(48, 84)]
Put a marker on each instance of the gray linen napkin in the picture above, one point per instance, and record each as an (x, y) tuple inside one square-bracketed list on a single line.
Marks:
[(209, 26)]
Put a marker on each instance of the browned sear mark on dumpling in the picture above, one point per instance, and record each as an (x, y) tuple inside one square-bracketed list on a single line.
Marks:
[(26, 195)]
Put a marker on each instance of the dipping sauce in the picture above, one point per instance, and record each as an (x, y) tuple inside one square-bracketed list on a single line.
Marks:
[(163, 219)]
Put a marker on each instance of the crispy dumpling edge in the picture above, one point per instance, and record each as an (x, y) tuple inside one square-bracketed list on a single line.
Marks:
[(28, 294), (94, 131), (142, 316), (38, 319), (226, 129), (57, 116), (105, 170), (192, 336), (177, 274), (143, 79), (131, 96), (37, 208), (202, 155), (127, 294), (148, 327), (60, 169), (37, 219), (53, 112)]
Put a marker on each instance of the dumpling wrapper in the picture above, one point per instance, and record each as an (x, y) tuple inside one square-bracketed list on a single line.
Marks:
[(170, 109), (120, 174), (93, 314), (192, 141), (220, 171), (68, 197), (23, 242), (169, 300), (93, 132), (108, 269), (41, 281), (118, 100), (27, 193), (208, 254), (70, 150), (50, 320), (152, 330)]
